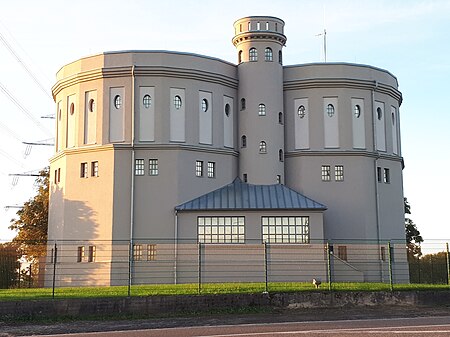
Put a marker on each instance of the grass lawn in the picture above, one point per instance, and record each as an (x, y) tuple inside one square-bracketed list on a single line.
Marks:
[(193, 289)]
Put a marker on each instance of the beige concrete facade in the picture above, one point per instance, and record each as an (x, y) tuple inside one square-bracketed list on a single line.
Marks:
[(120, 112)]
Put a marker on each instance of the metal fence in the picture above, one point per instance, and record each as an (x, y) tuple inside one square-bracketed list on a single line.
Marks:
[(143, 262)]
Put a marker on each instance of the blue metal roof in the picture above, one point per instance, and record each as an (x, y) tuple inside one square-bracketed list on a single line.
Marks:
[(242, 196)]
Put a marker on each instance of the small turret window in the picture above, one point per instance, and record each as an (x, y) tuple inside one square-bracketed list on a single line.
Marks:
[(301, 111), (258, 26), (379, 114), (280, 57), (330, 110), (268, 55), (357, 111), (117, 102), (267, 26), (280, 118), (204, 105), (261, 110), (240, 56), (91, 105), (280, 155), (177, 102), (244, 141), (227, 110), (249, 26), (242, 103), (253, 55), (262, 147), (147, 101)]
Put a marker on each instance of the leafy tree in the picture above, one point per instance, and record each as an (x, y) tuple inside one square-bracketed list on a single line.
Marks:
[(9, 265), (32, 223), (413, 237)]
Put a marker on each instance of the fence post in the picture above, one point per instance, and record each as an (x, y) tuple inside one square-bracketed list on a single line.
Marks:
[(330, 288), (130, 267), (266, 271), (55, 257), (199, 289), (448, 263), (391, 285)]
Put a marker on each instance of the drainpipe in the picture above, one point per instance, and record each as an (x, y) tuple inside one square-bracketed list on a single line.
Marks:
[(175, 248), (377, 195), (130, 282)]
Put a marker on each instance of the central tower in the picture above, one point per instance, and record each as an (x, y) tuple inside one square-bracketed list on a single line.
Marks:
[(259, 41)]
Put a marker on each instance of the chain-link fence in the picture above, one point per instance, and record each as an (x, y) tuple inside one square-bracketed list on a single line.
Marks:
[(272, 265)]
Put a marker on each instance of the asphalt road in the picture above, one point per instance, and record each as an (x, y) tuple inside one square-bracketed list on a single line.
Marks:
[(418, 326), (349, 321)]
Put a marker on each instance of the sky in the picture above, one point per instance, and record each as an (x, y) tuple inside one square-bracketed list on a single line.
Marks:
[(410, 39)]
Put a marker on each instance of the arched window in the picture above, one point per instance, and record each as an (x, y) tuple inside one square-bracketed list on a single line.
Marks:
[(91, 105), (147, 101), (379, 113), (240, 56), (280, 155), (261, 110), (262, 147), (244, 141), (204, 105), (117, 102), (280, 118), (242, 103), (357, 111), (177, 102), (301, 111), (227, 110), (268, 55), (253, 55), (280, 57), (330, 110)]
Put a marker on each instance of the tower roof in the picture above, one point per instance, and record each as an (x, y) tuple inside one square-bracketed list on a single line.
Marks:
[(242, 196)]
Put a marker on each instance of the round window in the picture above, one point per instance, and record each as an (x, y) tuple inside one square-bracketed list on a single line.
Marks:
[(91, 105), (227, 110), (301, 111), (118, 102), (177, 102), (357, 111), (330, 110), (72, 108), (147, 101), (204, 104)]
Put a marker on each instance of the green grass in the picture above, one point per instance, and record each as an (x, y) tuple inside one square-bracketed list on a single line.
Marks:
[(209, 288)]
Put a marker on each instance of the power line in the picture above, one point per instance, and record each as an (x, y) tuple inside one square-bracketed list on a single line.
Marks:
[(30, 73), (25, 111)]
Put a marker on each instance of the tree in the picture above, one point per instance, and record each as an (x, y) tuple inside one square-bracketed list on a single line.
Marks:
[(413, 237), (9, 265), (32, 223)]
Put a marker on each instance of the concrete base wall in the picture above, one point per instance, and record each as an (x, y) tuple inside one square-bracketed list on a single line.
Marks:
[(158, 305)]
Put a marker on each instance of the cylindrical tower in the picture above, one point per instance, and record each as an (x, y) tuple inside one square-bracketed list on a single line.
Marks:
[(259, 41)]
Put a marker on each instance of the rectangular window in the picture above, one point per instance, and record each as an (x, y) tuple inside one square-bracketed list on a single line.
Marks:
[(339, 173), (139, 169), (84, 170), (151, 252), (278, 179), (55, 178), (386, 176), (80, 254), (211, 169), (153, 167), (286, 229), (244, 177), (221, 229), (94, 169), (59, 175), (379, 174), (342, 252), (137, 252), (199, 168), (326, 173), (91, 253)]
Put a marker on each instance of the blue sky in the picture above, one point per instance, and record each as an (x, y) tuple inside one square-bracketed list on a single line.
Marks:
[(410, 38)]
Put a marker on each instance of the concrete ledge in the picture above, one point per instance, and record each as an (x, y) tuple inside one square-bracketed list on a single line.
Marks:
[(152, 305)]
